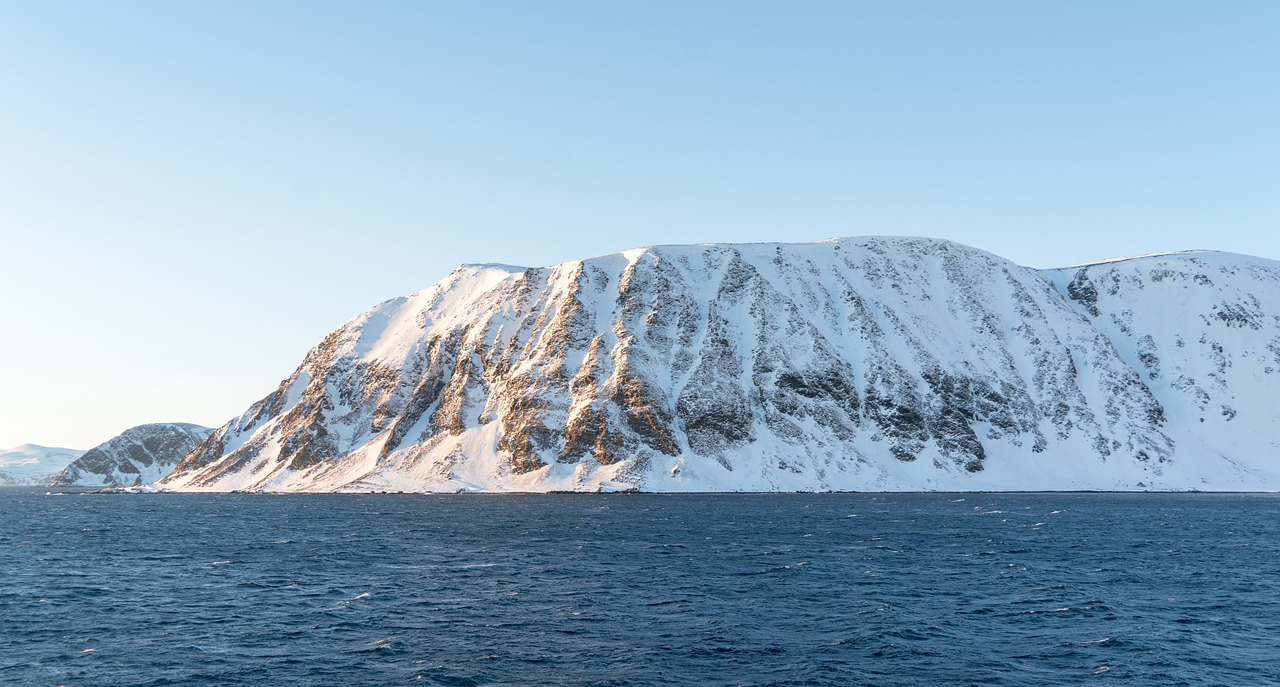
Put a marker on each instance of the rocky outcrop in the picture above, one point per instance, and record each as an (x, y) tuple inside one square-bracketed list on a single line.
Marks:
[(873, 363), (139, 455)]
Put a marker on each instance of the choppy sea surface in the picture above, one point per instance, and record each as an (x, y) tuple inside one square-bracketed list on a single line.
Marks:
[(629, 589)]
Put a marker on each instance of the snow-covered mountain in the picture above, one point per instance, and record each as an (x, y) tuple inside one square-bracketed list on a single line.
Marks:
[(31, 465), (848, 364), (139, 455)]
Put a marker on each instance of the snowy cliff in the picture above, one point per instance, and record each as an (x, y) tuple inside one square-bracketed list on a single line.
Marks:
[(1203, 331), (139, 455), (31, 465), (850, 364)]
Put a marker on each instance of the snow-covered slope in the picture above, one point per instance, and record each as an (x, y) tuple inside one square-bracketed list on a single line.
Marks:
[(1203, 330), (860, 364), (139, 455), (31, 465)]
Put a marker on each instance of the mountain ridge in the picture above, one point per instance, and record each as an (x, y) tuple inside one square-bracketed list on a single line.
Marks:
[(866, 364)]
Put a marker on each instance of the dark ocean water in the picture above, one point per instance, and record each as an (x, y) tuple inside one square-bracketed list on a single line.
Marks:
[(818, 589)]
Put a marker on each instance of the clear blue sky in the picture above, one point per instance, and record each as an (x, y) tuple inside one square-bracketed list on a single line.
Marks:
[(193, 193)]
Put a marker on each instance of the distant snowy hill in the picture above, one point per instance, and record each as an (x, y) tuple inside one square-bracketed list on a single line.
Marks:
[(849, 364), (31, 465), (139, 455)]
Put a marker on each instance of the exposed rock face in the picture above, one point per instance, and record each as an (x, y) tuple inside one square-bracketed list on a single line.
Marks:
[(29, 465), (873, 363), (139, 455)]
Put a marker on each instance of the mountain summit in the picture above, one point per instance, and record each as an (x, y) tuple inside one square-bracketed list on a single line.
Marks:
[(847, 364)]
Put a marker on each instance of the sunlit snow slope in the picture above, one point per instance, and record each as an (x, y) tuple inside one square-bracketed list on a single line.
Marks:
[(31, 465), (851, 364)]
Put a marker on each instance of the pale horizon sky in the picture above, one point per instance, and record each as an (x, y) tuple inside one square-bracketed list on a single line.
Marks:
[(193, 194)]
